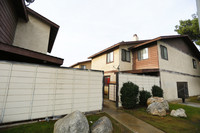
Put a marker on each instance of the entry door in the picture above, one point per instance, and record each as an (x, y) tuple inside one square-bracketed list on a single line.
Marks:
[(182, 88), (106, 84)]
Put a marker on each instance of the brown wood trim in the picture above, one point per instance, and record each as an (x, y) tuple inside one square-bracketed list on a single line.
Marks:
[(80, 63), (111, 48), (185, 37), (8, 21), (31, 54), (142, 71), (113, 71), (158, 38), (115, 46)]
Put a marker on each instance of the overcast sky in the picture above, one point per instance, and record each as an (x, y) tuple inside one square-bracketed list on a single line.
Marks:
[(88, 26)]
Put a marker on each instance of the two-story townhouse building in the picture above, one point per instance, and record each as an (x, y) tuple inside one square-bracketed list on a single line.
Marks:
[(175, 59), (25, 35)]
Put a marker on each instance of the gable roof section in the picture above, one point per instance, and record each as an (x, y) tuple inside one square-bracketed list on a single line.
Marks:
[(184, 37), (80, 63), (53, 30), (115, 46)]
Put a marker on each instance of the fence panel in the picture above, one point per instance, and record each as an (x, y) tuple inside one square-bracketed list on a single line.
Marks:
[(29, 91), (112, 92)]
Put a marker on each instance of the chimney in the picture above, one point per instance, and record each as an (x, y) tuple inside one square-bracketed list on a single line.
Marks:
[(135, 37)]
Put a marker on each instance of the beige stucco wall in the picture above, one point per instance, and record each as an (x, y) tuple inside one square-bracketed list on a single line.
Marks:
[(181, 63), (177, 61), (99, 63), (169, 84), (124, 66), (33, 35)]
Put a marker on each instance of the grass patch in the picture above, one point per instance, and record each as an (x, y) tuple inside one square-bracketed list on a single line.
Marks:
[(193, 99), (38, 127), (171, 124), (47, 127)]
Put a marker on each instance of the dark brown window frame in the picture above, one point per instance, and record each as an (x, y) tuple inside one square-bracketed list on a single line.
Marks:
[(162, 48), (194, 62), (125, 58)]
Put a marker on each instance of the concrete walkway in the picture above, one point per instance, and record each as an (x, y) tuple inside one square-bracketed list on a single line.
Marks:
[(191, 104), (132, 123)]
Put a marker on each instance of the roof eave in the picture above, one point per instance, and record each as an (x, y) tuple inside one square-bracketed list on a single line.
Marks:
[(80, 63), (30, 54)]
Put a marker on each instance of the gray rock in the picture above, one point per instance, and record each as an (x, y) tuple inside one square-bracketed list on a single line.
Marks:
[(160, 100), (102, 125), (198, 98), (156, 108), (178, 113), (75, 122)]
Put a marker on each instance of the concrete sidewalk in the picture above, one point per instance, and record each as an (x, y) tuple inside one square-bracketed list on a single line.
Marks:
[(129, 121), (191, 104)]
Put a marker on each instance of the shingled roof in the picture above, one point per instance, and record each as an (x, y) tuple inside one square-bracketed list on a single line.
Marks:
[(140, 43)]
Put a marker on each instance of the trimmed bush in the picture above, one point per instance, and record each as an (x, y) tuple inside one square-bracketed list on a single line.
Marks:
[(129, 93), (144, 95), (157, 91)]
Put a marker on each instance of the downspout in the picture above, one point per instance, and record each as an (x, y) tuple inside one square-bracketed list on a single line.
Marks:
[(103, 82), (117, 89)]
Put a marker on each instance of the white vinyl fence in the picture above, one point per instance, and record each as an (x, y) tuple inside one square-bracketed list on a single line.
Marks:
[(29, 91), (112, 92), (143, 81)]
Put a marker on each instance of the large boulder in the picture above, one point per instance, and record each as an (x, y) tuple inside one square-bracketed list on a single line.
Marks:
[(160, 100), (198, 98), (102, 125), (75, 122), (156, 108), (178, 113)]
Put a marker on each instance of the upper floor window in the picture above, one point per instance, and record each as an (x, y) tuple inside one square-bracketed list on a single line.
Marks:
[(110, 57), (125, 55), (194, 63), (143, 54), (163, 51), (83, 66)]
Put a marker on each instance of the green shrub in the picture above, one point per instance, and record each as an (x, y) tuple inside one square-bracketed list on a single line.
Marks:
[(144, 95), (129, 93), (157, 91)]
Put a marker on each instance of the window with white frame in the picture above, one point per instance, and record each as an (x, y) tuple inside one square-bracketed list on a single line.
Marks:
[(125, 55), (110, 57), (143, 54)]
